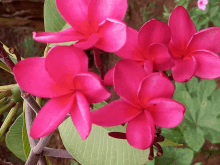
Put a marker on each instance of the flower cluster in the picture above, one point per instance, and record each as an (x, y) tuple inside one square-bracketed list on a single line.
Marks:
[(146, 92)]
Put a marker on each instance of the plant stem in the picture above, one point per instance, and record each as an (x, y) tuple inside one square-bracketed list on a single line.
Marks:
[(59, 153), (15, 52), (6, 59), (5, 94), (6, 108), (6, 87), (4, 101), (98, 62), (9, 118)]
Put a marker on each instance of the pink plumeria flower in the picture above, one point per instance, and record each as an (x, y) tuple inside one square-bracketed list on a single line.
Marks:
[(194, 53), (146, 102), (149, 47), (202, 4), (94, 23), (66, 80)]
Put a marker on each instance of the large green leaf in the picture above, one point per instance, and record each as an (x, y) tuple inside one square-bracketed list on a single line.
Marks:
[(14, 138), (53, 21), (175, 156), (26, 144), (99, 148)]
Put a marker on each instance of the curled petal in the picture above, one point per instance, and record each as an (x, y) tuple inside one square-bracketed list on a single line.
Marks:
[(127, 78), (81, 117), (181, 26), (57, 37), (154, 31), (63, 62), (33, 78), (184, 69), (91, 86), (207, 64), (154, 86), (131, 49), (207, 39), (115, 113), (99, 10), (159, 55), (89, 43), (75, 13), (140, 131), (112, 35), (51, 115), (166, 112), (148, 67), (108, 79)]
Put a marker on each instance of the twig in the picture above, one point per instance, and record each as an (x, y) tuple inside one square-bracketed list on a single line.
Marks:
[(98, 62), (59, 153)]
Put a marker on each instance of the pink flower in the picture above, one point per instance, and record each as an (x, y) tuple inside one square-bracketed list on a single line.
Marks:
[(194, 53), (148, 47), (94, 23), (146, 102), (202, 4), (67, 82)]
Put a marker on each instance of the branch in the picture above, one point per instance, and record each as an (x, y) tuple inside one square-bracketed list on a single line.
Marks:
[(59, 153), (6, 59)]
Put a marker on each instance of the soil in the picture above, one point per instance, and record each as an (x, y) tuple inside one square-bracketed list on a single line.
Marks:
[(19, 18)]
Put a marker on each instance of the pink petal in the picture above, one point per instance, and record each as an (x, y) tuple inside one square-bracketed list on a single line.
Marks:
[(57, 37), (154, 86), (100, 10), (184, 69), (140, 131), (181, 26), (127, 78), (63, 62), (148, 67), (91, 86), (131, 49), (115, 113), (207, 39), (166, 112), (33, 78), (108, 79), (154, 31), (158, 53), (112, 35), (75, 13), (51, 115), (175, 51), (80, 115), (89, 43), (207, 64)]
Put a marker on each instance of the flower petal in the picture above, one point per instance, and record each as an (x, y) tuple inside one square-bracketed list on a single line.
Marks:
[(131, 49), (127, 78), (181, 26), (184, 69), (154, 31), (108, 79), (115, 113), (33, 78), (57, 37), (207, 64), (207, 39), (75, 13), (63, 62), (175, 52), (112, 35), (158, 53), (166, 112), (89, 43), (91, 86), (81, 116), (148, 67), (140, 131), (100, 10), (154, 86), (51, 115)]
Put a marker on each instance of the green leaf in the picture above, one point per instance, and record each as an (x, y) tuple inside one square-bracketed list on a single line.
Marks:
[(214, 11), (53, 21), (73, 162), (180, 87), (26, 145), (14, 138), (175, 156), (99, 148), (192, 86), (167, 143), (174, 134), (99, 105), (205, 88)]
